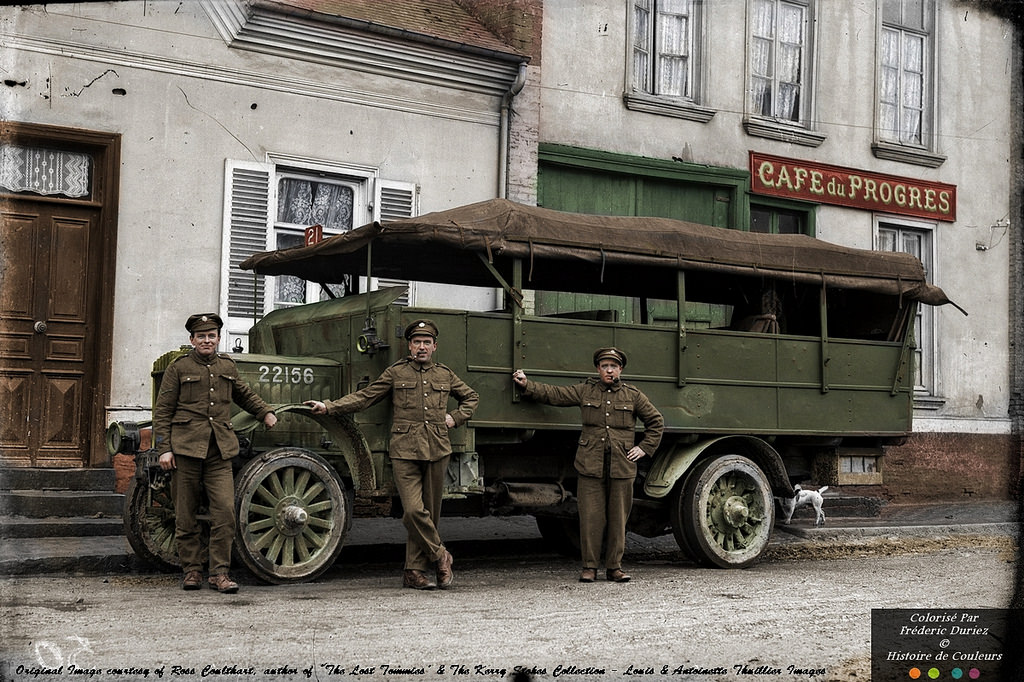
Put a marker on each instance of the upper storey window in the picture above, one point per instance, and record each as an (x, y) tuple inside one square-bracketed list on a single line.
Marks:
[(906, 82), (780, 54), (665, 77)]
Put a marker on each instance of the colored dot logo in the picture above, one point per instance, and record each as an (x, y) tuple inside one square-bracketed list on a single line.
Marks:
[(935, 673)]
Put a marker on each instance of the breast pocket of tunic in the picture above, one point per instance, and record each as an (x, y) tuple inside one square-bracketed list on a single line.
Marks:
[(404, 394), (622, 415), (191, 391), (438, 395)]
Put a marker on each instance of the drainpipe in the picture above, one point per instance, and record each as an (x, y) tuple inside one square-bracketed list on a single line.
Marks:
[(503, 130)]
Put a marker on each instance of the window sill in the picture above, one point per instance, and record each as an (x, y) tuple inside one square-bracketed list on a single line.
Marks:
[(663, 106), (913, 155), (759, 127), (849, 478), (928, 402)]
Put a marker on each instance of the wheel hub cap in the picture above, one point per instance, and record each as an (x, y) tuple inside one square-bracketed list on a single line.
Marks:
[(291, 517), (735, 511)]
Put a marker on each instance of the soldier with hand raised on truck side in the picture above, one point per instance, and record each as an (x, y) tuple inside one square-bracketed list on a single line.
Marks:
[(192, 430), (606, 455), (420, 447)]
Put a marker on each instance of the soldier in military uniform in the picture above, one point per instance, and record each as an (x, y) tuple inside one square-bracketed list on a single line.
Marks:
[(606, 455), (420, 448), (192, 430)]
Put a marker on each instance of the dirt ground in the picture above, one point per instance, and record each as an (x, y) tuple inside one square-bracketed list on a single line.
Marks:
[(804, 611)]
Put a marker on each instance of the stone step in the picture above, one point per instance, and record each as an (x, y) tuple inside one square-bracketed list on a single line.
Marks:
[(60, 503), (13, 527), (26, 478), (67, 555)]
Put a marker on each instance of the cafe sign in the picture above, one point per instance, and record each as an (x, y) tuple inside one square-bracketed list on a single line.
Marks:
[(824, 184)]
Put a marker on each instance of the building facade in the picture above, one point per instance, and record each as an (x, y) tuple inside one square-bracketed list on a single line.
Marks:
[(878, 124), (176, 138), (149, 147)]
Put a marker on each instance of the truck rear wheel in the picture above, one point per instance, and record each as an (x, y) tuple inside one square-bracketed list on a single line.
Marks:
[(723, 513), (149, 521), (293, 515)]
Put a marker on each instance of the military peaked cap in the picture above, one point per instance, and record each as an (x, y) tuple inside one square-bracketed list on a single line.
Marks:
[(421, 328), (201, 322), (610, 354)]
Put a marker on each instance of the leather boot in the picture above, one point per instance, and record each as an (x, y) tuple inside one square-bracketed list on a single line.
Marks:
[(445, 577), (417, 580), (193, 580), (223, 584), (616, 575), (588, 575)]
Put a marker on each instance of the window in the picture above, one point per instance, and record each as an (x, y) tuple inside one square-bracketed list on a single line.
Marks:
[(915, 239), (49, 172), (269, 205), (666, 59), (775, 220), (304, 200), (780, 64), (662, 46), (905, 69), (778, 60)]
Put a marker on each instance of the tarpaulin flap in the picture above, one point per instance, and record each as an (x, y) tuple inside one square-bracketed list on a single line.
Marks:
[(581, 252)]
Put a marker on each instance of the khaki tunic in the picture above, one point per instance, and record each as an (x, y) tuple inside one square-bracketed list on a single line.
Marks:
[(609, 415), (420, 402), (195, 401)]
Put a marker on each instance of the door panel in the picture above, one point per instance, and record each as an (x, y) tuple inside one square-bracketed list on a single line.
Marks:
[(45, 310)]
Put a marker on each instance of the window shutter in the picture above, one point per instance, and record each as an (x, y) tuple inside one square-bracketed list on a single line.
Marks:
[(247, 195), (394, 200)]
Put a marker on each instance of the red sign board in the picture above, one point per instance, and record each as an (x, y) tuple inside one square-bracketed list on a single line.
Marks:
[(313, 235), (825, 184)]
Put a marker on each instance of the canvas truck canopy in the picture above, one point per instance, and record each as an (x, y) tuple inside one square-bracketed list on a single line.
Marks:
[(561, 251)]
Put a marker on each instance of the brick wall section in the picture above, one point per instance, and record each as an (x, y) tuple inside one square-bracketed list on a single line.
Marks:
[(952, 467), (517, 22)]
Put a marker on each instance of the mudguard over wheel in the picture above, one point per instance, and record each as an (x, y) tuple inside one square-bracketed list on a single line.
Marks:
[(293, 515), (723, 514)]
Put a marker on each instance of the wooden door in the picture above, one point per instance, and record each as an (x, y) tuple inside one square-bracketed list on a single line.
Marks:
[(48, 331)]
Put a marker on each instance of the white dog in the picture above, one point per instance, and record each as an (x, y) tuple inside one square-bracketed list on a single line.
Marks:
[(799, 499)]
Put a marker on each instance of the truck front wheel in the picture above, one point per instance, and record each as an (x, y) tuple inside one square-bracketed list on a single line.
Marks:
[(293, 515), (723, 513)]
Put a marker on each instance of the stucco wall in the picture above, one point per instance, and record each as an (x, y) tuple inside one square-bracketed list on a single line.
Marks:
[(160, 75), (584, 78)]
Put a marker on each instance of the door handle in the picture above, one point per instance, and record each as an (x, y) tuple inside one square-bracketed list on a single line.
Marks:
[(39, 327)]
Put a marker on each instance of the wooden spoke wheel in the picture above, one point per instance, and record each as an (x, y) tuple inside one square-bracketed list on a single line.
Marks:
[(723, 514), (293, 515), (149, 521)]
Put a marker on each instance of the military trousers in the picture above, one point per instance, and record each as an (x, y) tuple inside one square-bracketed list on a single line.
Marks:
[(604, 506), (420, 486), (191, 476)]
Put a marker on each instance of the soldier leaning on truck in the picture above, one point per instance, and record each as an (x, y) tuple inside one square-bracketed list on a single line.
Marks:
[(192, 430), (420, 447), (606, 455)]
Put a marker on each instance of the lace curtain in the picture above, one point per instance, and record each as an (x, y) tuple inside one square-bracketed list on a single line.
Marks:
[(44, 171), (671, 34), (309, 202), (902, 85), (776, 59)]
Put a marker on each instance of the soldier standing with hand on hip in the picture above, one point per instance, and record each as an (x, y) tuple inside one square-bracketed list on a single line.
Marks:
[(192, 429), (420, 448), (606, 456)]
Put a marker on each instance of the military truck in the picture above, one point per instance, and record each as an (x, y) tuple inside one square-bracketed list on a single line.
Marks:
[(767, 354)]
